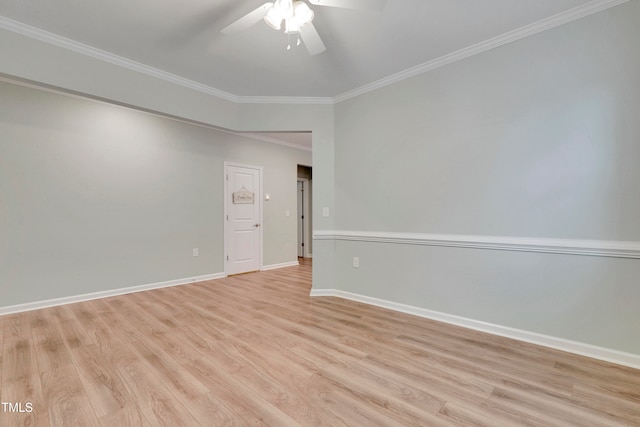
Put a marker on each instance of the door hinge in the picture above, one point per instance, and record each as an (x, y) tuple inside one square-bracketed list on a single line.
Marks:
[(227, 257), (303, 244)]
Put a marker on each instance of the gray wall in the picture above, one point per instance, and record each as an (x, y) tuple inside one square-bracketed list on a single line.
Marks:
[(319, 119), (96, 197), (115, 80), (538, 138)]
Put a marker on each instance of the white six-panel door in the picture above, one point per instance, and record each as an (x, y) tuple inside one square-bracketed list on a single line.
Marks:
[(243, 218)]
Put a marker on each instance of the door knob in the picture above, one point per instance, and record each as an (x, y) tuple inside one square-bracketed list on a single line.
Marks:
[(257, 225)]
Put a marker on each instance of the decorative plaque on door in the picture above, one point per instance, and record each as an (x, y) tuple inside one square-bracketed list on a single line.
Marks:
[(243, 197)]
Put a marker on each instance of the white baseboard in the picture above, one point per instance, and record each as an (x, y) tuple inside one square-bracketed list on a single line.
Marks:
[(588, 350), (281, 265), (104, 294)]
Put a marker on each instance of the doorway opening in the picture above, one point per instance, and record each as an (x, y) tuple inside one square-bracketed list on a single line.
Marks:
[(305, 188)]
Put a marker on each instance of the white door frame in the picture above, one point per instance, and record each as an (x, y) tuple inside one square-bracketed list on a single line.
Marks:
[(307, 213), (227, 202)]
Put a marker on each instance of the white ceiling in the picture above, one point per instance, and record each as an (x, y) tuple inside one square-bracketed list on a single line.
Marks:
[(183, 38)]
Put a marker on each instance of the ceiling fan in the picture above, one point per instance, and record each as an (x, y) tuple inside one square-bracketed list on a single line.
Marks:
[(297, 16)]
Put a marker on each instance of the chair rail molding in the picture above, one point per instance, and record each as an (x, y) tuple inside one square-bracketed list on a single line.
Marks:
[(603, 248)]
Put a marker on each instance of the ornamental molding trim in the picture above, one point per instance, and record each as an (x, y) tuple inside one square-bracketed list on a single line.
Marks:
[(603, 248), (570, 15), (492, 43)]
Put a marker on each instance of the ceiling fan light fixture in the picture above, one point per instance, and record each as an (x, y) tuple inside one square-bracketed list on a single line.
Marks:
[(302, 12), (292, 25), (273, 19), (284, 8)]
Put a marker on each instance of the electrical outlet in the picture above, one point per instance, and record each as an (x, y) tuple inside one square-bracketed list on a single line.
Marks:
[(325, 211), (356, 262), (196, 252)]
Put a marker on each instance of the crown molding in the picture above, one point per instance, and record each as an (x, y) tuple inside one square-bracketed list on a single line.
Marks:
[(285, 100), (492, 43), (590, 8), (83, 49), (603, 248)]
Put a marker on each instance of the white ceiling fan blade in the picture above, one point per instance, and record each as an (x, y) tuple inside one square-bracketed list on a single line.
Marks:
[(351, 4), (247, 20), (312, 39)]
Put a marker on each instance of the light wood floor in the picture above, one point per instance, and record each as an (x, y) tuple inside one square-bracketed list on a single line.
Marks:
[(255, 349)]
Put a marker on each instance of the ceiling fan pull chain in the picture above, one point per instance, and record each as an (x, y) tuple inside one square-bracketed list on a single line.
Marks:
[(295, 15)]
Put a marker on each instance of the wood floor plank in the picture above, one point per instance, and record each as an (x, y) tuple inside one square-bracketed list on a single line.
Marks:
[(62, 313), (18, 360), (612, 404), (439, 359), (345, 408), (155, 401), (74, 334), (486, 413), (182, 383), (256, 349), (51, 351), (100, 379), (110, 323), (245, 397), (398, 399), (212, 410), (67, 402), (27, 390), (555, 412), (20, 378), (129, 415)]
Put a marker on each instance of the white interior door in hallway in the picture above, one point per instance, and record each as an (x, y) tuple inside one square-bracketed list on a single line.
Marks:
[(243, 218)]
